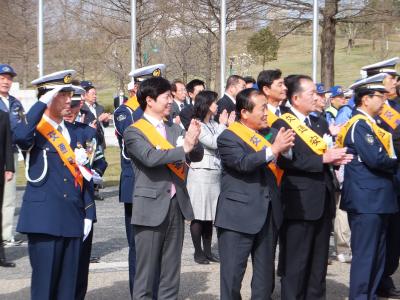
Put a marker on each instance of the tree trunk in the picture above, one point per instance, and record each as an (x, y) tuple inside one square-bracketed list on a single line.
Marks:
[(328, 35)]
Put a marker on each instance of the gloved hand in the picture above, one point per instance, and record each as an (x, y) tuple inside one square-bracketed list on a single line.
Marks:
[(49, 96), (97, 179), (87, 226)]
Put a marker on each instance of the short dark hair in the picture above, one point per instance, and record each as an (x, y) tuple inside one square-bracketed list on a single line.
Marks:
[(294, 85), (249, 79), (359, 94), (267, 77), (233, 80), (192, 84), (174, 83), (202, 104), (243, 100), (152, 87)]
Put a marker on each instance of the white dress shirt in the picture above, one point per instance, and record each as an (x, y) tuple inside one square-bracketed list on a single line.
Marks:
[(55, 125), (6, 102)]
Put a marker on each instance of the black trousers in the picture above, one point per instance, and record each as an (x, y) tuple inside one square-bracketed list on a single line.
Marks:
[(2, 253), (83, 271), (304, 257), (234, 250)]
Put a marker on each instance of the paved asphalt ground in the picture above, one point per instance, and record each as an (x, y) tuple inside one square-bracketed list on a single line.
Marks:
[(109, 278)]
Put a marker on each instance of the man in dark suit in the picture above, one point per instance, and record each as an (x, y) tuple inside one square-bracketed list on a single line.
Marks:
[(58, 209), (307, 196), (159, 150), (271, 83), (6, 172), (249, 211), (234, 85), (179, 93), (193, 88)]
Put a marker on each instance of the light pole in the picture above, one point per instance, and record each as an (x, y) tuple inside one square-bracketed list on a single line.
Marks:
[(133, 35), (315, 42), (223, 45), (40, 38)]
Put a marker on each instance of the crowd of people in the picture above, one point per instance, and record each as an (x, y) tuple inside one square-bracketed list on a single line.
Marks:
[(277, 160)]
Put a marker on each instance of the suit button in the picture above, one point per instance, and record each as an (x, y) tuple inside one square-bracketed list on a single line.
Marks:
[(65, 195), (65, 179), (169, 191)]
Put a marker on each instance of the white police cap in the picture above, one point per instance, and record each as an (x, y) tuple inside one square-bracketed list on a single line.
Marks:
[(56, 79), (148, 71), (373, 83), (78, 92), (385, 66)]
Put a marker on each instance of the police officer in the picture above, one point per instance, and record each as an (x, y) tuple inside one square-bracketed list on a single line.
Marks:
[(98, 165), (337, 100), (368, 193), (14, 108), (57, 208), (124, 116), (389, 119)]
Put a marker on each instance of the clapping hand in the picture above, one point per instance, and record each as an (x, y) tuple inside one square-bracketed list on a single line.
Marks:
[(223, 117), (283, 141), (192, 135)]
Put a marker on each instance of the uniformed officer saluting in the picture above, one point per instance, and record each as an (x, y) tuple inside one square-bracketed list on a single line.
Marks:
[(368, 193), (57, 208)]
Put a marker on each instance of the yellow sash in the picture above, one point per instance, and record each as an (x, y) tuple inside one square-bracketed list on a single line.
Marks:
[(132, 103), (271, 118), (157, 140), (390, 116), (383, 136), (311, 138), (64, 150), (257, 142)]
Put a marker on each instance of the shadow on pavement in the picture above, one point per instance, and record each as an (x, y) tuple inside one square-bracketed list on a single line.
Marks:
[(109, 246), (119, 290), (193, 285)]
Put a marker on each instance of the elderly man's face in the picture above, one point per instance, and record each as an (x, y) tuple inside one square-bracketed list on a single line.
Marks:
[(6, 81)]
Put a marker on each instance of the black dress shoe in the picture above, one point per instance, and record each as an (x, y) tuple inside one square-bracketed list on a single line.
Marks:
[(392, 293), (6, 264), (201, 259), (212, 257)]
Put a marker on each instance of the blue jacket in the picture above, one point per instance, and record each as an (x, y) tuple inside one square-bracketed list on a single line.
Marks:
[(368, 179), (54, 205), (123, 118), (16, 114)]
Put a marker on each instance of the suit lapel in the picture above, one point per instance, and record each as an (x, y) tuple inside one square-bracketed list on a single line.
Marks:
[(170, 134)]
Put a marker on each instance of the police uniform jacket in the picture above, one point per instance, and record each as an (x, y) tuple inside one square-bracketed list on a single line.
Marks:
[(123, 118), (368, 185), (54, 205)]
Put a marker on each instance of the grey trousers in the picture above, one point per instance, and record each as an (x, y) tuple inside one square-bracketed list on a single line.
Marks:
[(9, 202), (158, 251)]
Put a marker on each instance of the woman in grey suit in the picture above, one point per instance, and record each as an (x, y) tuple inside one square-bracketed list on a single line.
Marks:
[(203, 181)]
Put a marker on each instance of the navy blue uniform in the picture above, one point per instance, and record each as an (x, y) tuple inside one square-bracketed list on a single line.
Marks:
[(123, 118), (53, 210), (369, 198), (392, 235)]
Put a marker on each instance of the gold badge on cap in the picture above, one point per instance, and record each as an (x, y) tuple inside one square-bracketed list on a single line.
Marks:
[(157, 72), (67, 79)]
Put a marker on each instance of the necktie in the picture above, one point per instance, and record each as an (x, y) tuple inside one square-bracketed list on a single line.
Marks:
[(181, 106), (307, 122), (278, 112), (161, 129), (59, 128)]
